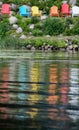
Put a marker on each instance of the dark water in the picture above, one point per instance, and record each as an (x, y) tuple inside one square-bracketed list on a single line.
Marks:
[(40, 94)]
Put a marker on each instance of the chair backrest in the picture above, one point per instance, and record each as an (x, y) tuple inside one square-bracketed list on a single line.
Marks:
[(23, 9), (75, 10), (54, 9), (35, 9), (65, 8), (5, 9)]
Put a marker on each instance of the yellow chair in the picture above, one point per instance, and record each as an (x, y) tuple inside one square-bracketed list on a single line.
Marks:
[(35, 11)]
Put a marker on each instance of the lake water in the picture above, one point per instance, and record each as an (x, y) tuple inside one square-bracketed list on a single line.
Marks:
[(39, 90)]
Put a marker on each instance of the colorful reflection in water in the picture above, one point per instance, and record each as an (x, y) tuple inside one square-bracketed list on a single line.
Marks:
[(41, 94)]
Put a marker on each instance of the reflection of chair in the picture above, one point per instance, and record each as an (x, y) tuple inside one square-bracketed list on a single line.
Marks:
[(36, 11), (5, 9), (75, 11), (23, 10), (54, 11), (65, 10)]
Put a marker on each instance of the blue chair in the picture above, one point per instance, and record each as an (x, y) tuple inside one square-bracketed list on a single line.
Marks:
[(23, 10)]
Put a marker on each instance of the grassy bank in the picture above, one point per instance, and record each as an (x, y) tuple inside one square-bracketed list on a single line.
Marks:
[(37, 43)]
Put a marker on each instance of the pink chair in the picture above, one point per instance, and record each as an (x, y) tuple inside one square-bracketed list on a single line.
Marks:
[(65, 10), (5, 9)]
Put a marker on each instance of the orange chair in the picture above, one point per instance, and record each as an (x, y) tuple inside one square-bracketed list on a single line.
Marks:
[(5, 9), (54, 11), (65, 10)]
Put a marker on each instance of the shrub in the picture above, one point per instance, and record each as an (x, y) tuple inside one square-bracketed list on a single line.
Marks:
[(53, 26), (4, 27), (34, 19), (38, 25), (23, 23), (75, 29), (37, 32), (77, 2)]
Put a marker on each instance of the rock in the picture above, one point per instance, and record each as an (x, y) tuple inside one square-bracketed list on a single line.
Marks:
[(1, 3), (47, 35), (29, 47), (30, 33), (43, 17), (64, 1), (31, 26), (72, 2), (70, 47), (75, 48), (28, 7), (23, 37), (46, 47), (13, 20), (11, 13), (15, 26), (13, 6), (33, 48), (19, 30)]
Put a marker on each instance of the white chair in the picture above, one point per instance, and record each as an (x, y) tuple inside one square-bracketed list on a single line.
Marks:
[(75, 11)]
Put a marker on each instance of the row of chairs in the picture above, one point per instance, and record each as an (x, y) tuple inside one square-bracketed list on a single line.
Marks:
[(23, 10), (65, 10), (27, 11), (34, 11), (54, 11)]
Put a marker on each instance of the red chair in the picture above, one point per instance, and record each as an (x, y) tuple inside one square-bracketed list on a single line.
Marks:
[(5, 9), (65, 10)]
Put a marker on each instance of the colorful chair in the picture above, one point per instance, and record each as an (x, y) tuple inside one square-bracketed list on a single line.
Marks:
[(35, 11), (75, 11), (54, 11), (5, 9), (65, 10), (23, 10)]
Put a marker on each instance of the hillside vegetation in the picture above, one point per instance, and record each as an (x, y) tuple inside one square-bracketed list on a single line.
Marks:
[(51, 26)]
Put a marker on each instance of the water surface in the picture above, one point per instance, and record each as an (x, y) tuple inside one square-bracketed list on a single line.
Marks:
[(39, 91)]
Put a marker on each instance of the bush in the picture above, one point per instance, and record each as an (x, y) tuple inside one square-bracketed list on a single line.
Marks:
[(38, 25), (53, 26), (35, 20), (4, 27), (24, 23), (15, 1), (77, 2), (37, 32), (75, 29)]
